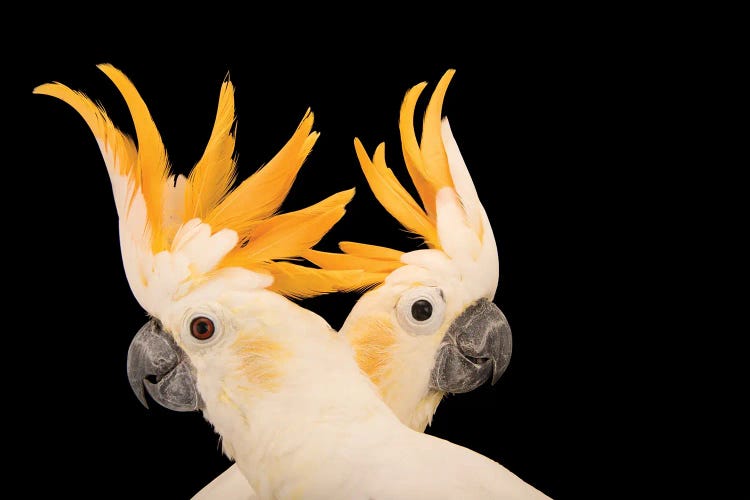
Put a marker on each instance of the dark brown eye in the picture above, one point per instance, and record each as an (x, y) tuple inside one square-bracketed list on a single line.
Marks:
[(202, 328), (421, 310)]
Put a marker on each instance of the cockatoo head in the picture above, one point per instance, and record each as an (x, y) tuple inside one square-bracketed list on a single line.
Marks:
[(430, 327), (205, 258)]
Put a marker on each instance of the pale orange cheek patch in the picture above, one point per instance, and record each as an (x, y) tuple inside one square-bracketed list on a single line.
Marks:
[(261, 360), (372, 340)]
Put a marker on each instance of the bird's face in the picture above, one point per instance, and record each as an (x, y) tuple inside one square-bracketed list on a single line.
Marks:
[(431, 331), (168, 356), (206, 345)]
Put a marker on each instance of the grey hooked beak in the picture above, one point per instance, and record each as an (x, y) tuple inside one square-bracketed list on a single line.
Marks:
[(476, 347), (157, 363)]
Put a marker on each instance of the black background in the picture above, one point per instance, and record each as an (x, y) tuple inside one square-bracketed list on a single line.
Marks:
[(566, 130)]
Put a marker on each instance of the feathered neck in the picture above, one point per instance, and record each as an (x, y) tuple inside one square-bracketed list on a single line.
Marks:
[(281, 406)]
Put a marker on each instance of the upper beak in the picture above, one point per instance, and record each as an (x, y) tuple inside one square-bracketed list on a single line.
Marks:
[(476, 347), (157, 363)]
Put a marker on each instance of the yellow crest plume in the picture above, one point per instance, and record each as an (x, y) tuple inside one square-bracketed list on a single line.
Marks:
[(426, 162), (213, 176), (146, 167), (260, 195), (152, 166), (427, 165), (265, 240)]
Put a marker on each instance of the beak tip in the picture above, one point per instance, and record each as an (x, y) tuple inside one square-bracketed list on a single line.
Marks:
[(140, 394), (142, 399), (500, 369)]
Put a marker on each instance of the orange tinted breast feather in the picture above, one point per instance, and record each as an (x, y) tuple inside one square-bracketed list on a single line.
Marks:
[(372, 341)]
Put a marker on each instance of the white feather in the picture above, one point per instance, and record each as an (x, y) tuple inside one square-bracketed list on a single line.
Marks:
[(476, 262), (230, 485), (459, 241), (461, 179), (203, 249), (486, 259), (434, 260)]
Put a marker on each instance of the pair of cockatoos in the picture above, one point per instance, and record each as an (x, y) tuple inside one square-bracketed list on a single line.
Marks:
[(304, 411)]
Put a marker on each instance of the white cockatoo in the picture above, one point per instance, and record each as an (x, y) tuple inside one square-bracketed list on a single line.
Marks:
[(429, 327), (210, 265)]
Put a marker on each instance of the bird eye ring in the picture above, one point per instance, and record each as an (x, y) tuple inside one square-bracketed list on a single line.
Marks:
[(421, 310)]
